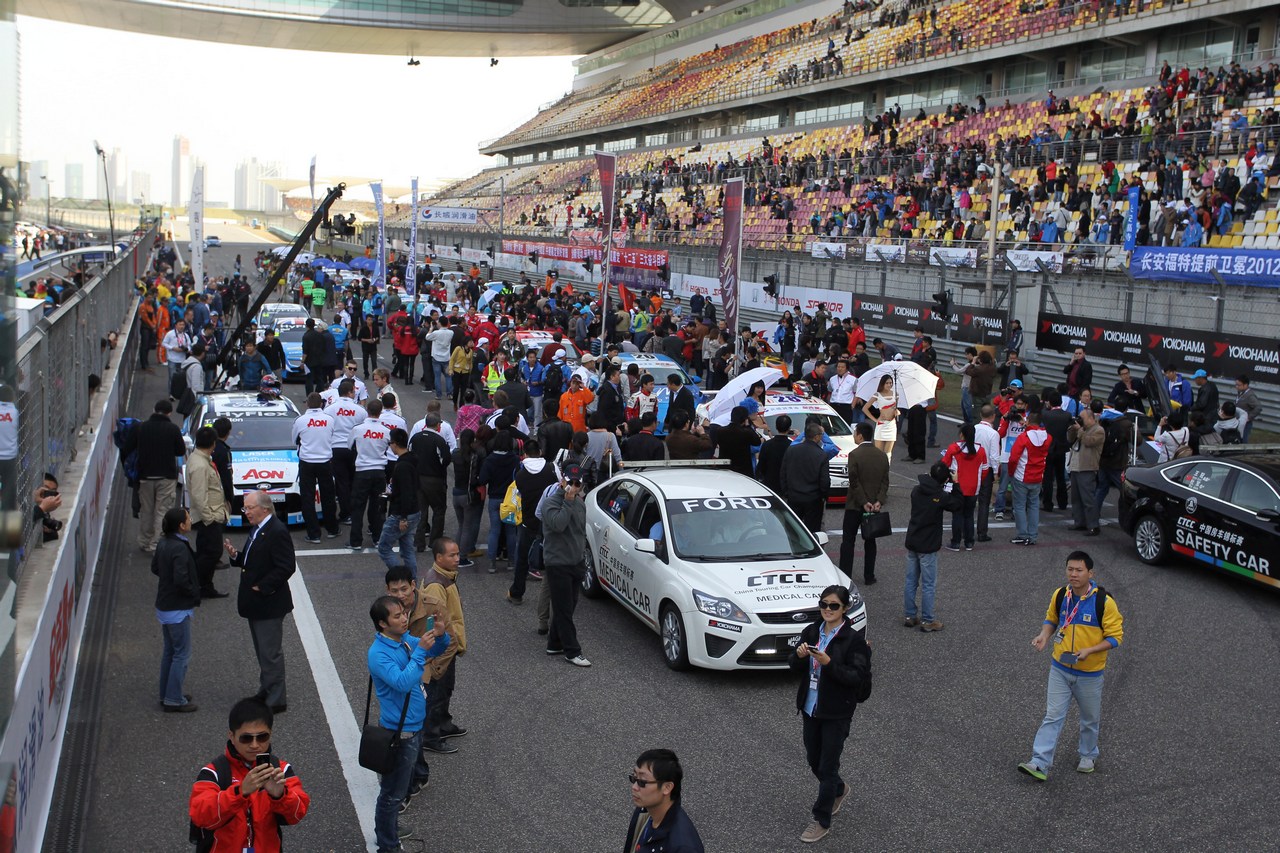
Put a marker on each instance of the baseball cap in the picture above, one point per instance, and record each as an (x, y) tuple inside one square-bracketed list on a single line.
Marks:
[(560, 354), (1199, 374), (572, 472), (482, 342), (1017, 383)]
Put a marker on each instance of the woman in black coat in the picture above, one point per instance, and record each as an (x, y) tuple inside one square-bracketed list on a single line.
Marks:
[(177, 596), (836, 662)]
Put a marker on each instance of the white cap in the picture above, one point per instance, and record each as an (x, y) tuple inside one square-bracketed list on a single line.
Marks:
[(560, 354), (482, 342)]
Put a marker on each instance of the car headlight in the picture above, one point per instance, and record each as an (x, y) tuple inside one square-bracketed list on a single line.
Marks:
[(721, 608)]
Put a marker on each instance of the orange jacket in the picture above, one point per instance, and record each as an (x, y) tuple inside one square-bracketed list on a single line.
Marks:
[(226, 811), (573, 408)]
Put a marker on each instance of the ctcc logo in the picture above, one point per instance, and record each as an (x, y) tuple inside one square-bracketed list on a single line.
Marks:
[(777, 578)]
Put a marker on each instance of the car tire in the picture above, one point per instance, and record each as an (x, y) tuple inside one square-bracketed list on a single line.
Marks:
[(1151, 539), (675, 640), (590, 583)]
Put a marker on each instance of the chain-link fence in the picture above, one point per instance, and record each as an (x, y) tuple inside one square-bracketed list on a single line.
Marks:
[(55, 363)]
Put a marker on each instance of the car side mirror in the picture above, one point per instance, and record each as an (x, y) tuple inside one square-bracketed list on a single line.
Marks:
[(1269, 515), (822, 537), (646, 546)]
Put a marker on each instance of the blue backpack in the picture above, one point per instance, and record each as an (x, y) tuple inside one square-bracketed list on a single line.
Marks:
[(125, 429)]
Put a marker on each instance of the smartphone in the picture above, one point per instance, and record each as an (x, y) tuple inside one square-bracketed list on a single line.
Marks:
[(1067, 658), (431, 624), (263, 758)]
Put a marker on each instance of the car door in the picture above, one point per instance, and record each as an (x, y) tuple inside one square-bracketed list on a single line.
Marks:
[(650, 572), (1199, 503), (1258, 535), (615, 543)]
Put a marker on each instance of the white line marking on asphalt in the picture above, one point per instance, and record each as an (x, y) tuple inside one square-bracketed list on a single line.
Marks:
[(361, 783), (333, 552), (995, 525)]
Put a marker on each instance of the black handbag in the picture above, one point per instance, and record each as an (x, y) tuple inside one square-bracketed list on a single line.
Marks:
[(876, 525), (377, 744)]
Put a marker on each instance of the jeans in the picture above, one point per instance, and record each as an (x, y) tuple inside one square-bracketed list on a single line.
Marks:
[(1063, 687), (849, 544), (966, 405), (393, 787), (468, 515), (498, 532), (174, 660), (823, 744), (393, 535), (366, 492), (1026, 509), (1107, 477), (922, 574), (534, 412), (440, 376), (962, 521), (1084, 491), (1003, 487), (1244, 433), (524, 541), (565, 584)]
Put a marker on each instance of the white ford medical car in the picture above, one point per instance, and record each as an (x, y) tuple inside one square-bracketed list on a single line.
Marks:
[(713, 561)]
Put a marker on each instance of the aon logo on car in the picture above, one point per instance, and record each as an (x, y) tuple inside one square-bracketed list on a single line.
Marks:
[(256, 474)]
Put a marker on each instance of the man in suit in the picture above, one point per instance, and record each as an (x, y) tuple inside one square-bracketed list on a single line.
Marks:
[(266, 564), (868, 492), (681, 400)]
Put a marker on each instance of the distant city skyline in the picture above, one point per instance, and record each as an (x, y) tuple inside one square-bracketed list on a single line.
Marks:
[(368, 116)]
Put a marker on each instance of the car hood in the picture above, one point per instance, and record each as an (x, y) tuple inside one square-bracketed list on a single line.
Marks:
[(251, 467), (766, 587)]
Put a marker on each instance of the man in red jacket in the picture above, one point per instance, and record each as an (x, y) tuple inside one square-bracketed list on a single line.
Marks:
[(242, 798), (1026, 468)]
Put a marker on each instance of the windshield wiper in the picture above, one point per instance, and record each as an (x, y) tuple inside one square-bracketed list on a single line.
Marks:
[(775, 556)]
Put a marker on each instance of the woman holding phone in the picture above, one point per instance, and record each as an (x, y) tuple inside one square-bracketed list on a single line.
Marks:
[(836, 663)]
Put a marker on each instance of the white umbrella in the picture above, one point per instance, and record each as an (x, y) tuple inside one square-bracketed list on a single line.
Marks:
[(735, 391), (912, 384)]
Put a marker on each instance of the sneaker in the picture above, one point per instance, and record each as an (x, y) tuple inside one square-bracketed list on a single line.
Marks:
[(535, 576), (314, 540), (835, 807), (554, 651), (1093, 531), (1000, 515), (416, 788), (910, 621), (475, 553), (543, 630), (404, 832), (953, 546), (969, 547), (356, 548), (579, 660), (346, 521), (452, 731), (465, 564), (814, 832), (512, 599), (439, 745), (1085, 766), (1032, 770), (1019, 540), (930, 627), (984, 538), (1029, 542), (493, 568), (334, 535), (404, 805)]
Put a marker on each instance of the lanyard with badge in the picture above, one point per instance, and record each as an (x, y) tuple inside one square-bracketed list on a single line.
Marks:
[(824, 640), (1068, 657)]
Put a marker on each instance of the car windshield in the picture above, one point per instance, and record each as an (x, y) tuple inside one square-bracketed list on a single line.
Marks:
[(660, 372), (733, 529), (262, 433), (291, 334), (833, 424)]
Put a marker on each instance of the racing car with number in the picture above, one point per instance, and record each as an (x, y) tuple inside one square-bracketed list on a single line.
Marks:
[(263, 455), (1222, 510), (289, 332), (661, 367), (800, 407), (714, 562)]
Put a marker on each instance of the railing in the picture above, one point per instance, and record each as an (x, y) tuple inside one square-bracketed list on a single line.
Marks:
[(900, 68), (55, 362)]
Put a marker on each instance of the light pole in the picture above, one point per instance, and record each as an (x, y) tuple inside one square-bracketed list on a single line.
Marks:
[(106, 183), (48, 200)]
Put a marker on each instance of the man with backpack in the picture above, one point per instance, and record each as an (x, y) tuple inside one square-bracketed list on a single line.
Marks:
[(242, 798), (1085, 624), (1117, 442)]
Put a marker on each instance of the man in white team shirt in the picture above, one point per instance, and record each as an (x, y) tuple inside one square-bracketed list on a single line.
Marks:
[(446, 429), (346, 414), (391, 420), (176, 343), (842, 386), (349, 372), (382, 387), (370, 440), (313, 434), (986, 435)]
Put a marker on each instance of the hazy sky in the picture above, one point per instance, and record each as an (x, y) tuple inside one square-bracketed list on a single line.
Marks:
[(233, 102)]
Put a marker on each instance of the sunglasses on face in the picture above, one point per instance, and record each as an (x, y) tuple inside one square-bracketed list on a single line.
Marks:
[(641, 783), (830, 605), (251, 737)]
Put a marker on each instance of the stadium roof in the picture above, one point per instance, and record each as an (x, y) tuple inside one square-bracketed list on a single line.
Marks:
[(475, 28)]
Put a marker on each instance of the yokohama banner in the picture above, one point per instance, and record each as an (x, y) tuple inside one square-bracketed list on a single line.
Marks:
[(966, 324), (1189, 349)]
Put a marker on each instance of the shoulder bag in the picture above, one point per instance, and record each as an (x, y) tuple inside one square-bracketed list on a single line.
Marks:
[(378, 744)]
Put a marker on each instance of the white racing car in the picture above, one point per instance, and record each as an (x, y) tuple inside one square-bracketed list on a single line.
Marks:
[(713, 561)]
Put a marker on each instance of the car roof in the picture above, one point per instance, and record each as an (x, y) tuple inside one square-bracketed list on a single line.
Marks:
[(1264, 463), (808, 404), (647, 358), (283, 306), (245, 402), (676, 483)]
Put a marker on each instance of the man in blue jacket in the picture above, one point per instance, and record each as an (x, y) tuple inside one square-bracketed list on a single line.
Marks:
[(396, 661), (659, 824)]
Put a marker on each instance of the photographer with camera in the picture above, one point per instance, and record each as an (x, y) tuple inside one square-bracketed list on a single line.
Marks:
[(1086, 438), (47, 500)]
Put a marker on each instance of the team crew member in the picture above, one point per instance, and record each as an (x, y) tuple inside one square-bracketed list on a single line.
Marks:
[(836, 661), (370, 442), (659, 824), (349, 372), (347, 415), (1085, 624), (843, 385), (313, 434), (396, 663), (239, 803), (391, 420)]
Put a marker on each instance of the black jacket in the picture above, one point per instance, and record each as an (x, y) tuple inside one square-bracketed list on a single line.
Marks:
[(676, 835), (805, 475), (222, 458), (1056, 422), (268, 566), (1206, 401), (273, 353), (643, 447), (840, 681), (430, 454), (313, 348), (175, 564), (404, 484), (769, 461), (682, 400), (158, 441), (554, 436), (928, 503), (610, 405), (734, 443)]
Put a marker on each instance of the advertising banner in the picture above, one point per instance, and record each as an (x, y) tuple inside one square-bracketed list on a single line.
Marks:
[(608, 166), (447, 215), (1236, 266), (1134, 194), (411, 271), (1190, 349), (828, 250), (894, 252), (952, 256), (195, 216), (1024, 260), (729, 261), (966, 324), (380, 259)]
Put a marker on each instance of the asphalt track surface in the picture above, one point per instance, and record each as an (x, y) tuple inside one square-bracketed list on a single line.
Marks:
[(1188, 732)]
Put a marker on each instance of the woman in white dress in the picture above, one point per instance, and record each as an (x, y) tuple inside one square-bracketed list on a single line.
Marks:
[(886, 402)]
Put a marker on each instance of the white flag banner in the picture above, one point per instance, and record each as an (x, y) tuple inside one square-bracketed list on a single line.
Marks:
[(380, 259), (195, 217), (411, 271)]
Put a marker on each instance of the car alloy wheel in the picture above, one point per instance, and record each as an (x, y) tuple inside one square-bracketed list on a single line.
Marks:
[(590, 583), (674, 646), (1150, 540)]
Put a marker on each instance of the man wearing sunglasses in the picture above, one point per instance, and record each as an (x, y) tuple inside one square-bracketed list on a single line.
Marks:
[(659, 824), (242, 798)]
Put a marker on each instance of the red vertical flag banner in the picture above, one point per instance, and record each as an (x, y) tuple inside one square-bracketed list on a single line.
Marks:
[(608, 166), (730, 257)]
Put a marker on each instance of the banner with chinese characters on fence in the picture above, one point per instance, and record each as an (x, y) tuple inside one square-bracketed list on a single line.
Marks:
[(1235, 266)]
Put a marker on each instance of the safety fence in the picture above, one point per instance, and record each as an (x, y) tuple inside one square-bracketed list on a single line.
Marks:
[(55, 363)]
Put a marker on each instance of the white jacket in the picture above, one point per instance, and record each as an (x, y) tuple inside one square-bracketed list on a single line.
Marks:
[(313, 434), (371, 440)]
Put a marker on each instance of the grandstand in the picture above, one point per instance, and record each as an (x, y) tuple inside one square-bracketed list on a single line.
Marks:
[(901, 120)]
